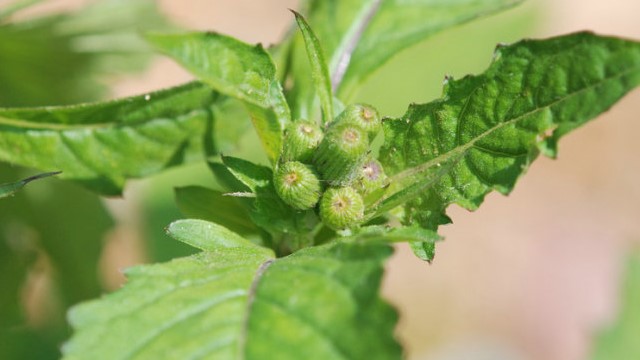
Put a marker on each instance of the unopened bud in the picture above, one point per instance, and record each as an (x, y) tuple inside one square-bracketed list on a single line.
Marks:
[(341, 152), (297, 185), (341, 208)]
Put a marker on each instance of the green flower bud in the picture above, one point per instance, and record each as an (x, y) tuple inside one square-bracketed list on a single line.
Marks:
[(372, 176), (341, 153), (297, 185), (365, 116), (341, 208), (301, 139)]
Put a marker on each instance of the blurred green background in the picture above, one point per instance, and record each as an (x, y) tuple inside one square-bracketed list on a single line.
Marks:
[(532, 276)]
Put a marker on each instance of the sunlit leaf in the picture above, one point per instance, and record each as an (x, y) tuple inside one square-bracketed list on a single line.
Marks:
[(236, 301), (487, 129)]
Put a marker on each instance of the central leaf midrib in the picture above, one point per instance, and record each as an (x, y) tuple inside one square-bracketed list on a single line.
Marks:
[(30, 125), (251, 296), (462, 148)]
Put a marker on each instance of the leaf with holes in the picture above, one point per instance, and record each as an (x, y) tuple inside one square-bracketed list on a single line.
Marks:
[(487, 129), (236, 300), (101, 145)]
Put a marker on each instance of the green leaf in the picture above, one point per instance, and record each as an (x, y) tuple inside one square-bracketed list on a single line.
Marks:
[(242, 303), (487, 129), (319, 70), (620, 340), (10, 189), (252, 175), (422, 241), (399, 24), (359, 36), (236, 69), (424, 250), (201, 203), (101, 145), (399, 234), (206, 235)]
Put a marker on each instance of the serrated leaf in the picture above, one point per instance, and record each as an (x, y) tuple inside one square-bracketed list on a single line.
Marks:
[(619, 341), (100, 145), (201, 203), (359, 36), (10, 189), (236, 69), (487, 129), (319, 70), (242, 303)]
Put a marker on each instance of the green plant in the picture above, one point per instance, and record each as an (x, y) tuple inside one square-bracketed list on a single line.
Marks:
[(300, 280)]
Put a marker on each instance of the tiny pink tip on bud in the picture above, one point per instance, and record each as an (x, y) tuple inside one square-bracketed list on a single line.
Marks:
[(372, 176)]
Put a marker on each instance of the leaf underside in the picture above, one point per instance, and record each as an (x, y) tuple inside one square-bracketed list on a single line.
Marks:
[(236, 301), (238, 70), (101, 145), (487, 129)]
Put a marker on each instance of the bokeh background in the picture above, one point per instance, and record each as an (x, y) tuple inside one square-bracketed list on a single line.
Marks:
[(531, 276)]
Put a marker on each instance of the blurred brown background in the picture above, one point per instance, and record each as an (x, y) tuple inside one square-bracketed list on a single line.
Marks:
[(529, 276)]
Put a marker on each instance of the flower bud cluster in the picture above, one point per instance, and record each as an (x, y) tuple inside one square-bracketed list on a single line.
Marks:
[(331, 167)]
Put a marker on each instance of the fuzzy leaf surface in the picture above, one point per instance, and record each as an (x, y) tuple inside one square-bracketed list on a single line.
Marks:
[(487, 129), (235, 300), (359, 36), (100, 145), (236, 69)]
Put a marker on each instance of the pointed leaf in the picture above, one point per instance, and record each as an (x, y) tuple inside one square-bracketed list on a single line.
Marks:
[(206, 235), (487, 129), (252, 175), (101, 145), (319, 303), (201, 203), (319, 70), (399, 24), (11, 188), (236, 69), (359, 36)]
